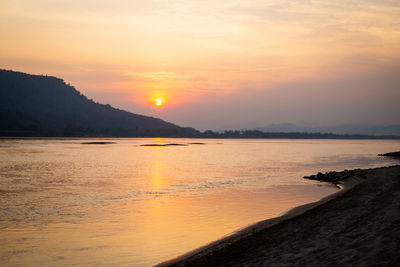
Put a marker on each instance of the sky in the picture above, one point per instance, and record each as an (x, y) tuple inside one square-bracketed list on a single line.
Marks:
[(217, 64)]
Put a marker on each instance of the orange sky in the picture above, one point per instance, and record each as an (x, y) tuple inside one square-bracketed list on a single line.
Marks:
[(216, 64)]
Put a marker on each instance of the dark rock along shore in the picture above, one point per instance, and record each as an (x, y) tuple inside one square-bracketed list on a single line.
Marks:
[(391, 154), (334, 177)]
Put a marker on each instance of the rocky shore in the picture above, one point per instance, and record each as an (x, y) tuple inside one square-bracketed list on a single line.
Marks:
[(335, 177), (359, 225), (391, 154)]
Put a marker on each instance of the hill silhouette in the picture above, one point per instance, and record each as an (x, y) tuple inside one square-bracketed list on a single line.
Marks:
[(37, 105)]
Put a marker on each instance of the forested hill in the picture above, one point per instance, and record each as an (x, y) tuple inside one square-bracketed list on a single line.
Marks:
[(36, 105)]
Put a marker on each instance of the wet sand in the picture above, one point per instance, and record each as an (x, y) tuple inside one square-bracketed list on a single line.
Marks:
[(359, 225)]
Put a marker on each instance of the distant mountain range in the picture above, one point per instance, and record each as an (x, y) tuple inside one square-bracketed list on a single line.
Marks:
[(363, 129), (36, 105)]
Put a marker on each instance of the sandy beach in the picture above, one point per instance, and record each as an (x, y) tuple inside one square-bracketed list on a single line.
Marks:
[(359, 225)]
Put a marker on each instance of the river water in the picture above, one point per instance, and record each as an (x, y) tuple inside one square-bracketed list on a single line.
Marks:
[(65, 202)]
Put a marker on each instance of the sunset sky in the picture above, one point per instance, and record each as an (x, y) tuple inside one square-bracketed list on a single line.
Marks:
[(216, 64)]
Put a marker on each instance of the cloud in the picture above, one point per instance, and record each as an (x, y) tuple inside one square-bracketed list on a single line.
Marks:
[(158, 76)]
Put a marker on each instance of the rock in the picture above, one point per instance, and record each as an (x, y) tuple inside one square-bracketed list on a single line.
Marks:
[(391, 154)]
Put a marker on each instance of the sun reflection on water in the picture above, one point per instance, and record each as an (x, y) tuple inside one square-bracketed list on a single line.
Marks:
[(157, 174)]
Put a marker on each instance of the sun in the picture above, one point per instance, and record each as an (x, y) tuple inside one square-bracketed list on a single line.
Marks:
[(158, 102)]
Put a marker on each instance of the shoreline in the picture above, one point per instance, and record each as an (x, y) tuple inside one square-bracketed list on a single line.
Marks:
[(231, 250)]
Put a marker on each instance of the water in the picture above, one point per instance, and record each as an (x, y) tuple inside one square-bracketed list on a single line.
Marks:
[(65, 203)]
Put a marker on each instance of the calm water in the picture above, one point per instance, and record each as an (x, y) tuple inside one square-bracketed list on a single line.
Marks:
[(66, 203)]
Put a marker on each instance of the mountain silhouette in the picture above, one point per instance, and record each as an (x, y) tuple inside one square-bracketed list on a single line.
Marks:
[(38, 105), (349, 128)]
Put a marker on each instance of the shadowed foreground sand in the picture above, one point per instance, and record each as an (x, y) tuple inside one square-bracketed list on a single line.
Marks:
[(359, 225)]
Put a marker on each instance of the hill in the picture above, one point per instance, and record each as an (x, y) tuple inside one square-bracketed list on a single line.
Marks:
[(37, 105)]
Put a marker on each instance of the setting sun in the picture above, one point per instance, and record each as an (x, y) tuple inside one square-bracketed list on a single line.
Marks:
[(158, 102)]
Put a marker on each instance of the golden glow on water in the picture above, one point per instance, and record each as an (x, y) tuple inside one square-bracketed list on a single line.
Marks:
[(64, 203), (156, 171)]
